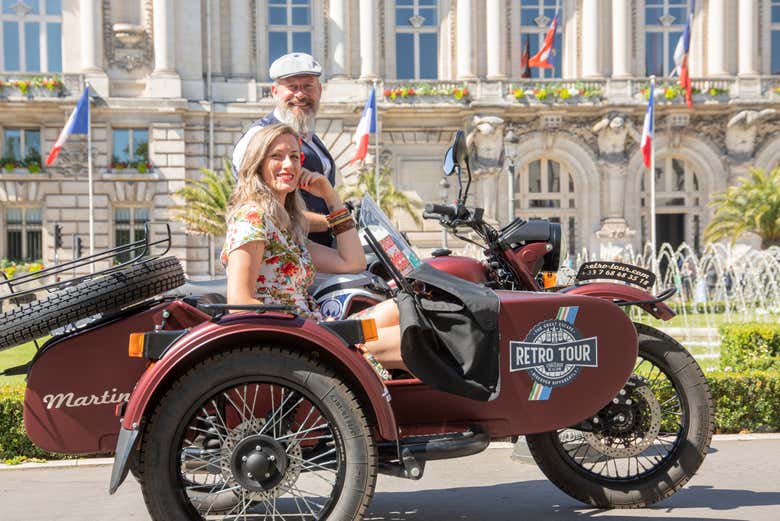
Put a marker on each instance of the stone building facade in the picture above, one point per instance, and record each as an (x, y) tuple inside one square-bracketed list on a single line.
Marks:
[(175, 82)]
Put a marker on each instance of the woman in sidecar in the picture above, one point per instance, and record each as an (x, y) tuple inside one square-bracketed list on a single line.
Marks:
[(267, 257)]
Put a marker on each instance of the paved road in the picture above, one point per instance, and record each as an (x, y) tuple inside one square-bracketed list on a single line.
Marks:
[(738, 480)]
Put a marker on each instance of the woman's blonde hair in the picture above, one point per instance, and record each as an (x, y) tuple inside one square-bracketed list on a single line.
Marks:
[(252, 188)]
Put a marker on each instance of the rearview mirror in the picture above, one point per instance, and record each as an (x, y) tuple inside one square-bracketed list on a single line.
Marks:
[(449, 162)]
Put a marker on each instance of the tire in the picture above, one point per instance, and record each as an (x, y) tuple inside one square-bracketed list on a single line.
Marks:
[(103, 294), (667, 439), (191, 461)]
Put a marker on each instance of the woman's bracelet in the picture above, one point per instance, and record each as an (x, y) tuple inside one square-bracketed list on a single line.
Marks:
[(337, 215), (343, 226)]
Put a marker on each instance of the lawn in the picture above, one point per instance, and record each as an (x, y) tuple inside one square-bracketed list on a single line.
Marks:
[(13, 357)]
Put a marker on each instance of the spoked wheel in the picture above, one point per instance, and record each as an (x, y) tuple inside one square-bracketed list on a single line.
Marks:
[(258, 433), (647, 443)]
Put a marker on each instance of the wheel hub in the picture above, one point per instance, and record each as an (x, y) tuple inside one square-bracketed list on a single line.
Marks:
[(259, 462)]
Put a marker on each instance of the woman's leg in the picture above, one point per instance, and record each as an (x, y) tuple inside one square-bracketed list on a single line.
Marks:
[(387, 348)]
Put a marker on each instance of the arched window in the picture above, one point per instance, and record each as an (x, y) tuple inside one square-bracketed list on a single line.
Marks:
[(664, 24), (545, 190), (535, 19), (678, 203), (31, 36), (416, 39)]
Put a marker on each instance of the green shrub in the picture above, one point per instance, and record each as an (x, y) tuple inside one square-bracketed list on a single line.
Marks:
[(751, 346), (13, 440), (746, 401)]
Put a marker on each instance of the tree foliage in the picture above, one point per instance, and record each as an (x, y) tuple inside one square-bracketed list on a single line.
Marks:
[(206, 201), (753, 205), (389, 199)]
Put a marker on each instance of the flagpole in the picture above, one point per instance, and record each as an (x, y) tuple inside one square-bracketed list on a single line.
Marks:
[(376, 145), (652, 177), (89, 178)]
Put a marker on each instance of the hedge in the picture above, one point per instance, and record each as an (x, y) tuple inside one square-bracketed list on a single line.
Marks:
[(743, 402), (749, 347), (14, 443)]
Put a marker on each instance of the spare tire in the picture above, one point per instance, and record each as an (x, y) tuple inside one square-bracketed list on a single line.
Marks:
[(102, 294)]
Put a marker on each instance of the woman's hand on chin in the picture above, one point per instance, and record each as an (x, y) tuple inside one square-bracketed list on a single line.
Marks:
[(317, 185)]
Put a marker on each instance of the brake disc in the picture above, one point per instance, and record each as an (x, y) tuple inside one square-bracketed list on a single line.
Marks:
[(647, 425)]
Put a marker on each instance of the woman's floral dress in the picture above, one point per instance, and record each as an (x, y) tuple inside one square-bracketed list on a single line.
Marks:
[(287, 270)]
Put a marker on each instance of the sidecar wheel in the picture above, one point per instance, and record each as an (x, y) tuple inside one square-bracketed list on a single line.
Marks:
[(258, 433), (637, 464)]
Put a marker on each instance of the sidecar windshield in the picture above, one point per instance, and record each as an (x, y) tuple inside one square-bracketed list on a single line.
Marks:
[(397, 249)]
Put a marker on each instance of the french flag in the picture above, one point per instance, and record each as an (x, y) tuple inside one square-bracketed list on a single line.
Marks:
[(681, 53), (366, 127), (540, 58), (646, 144), (78, 123)]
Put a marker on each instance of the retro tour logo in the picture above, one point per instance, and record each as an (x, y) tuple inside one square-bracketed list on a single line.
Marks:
[(553, 353)]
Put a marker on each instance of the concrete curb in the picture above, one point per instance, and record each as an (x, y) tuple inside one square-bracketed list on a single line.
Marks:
[(98, 462)]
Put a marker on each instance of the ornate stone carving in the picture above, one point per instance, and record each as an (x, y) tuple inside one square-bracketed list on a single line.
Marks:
[(128, 46), (712, 128), (583, 133), (742, 129), (612, 131), (486, 143)]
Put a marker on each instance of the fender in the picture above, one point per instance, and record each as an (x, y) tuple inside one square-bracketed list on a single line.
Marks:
[(241, 328), (612, 291)]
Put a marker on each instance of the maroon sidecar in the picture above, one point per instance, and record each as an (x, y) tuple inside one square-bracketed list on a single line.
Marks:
[(261, 414)]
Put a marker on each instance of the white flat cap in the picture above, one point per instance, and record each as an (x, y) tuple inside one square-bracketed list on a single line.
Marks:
[(294, 64)]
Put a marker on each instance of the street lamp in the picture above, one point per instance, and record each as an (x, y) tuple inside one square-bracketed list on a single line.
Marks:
[(511, 146), (444, 185)]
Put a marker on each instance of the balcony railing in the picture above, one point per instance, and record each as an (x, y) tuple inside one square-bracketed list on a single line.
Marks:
[(27, 86)]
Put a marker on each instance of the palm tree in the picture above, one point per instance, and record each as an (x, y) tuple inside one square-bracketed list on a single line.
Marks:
[(206, 201), (751, 206), (389, 198)]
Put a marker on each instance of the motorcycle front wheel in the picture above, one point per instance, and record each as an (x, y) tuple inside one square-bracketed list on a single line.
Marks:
[(656, 438), (258, 433)]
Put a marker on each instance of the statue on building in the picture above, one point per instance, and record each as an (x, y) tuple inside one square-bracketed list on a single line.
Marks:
[(486, 149), (742, 130)]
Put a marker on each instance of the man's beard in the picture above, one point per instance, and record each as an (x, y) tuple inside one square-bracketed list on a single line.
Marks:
[(302, 120)]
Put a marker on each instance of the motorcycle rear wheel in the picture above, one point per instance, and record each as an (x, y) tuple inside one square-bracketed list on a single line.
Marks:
[(258, 433), (673, 430)]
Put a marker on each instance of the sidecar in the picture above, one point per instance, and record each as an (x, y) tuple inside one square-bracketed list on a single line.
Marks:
[(224, 412)]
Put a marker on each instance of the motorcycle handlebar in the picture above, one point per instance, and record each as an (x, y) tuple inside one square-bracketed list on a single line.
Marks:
[(443, 210)]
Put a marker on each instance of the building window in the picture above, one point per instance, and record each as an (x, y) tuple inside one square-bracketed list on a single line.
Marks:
[(31, 36), (21, 148), (416, 39), (775, 38), (129, 227), (536, 16), (664, 24), (289, 27), (678, 203), (546, 191), (130, 149), (23, 234)]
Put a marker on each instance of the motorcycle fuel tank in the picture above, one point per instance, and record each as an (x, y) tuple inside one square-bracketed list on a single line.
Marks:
[(464, 267)]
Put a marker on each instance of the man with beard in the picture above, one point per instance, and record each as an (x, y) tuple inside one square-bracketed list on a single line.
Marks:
[(297, 91)]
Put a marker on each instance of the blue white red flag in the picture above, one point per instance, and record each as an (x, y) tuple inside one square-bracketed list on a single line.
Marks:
[(540, 59), (78, 123), (681, 57), (646, 143), (366, 127)]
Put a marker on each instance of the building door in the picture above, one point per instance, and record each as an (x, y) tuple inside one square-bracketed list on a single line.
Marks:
[(670, 228)]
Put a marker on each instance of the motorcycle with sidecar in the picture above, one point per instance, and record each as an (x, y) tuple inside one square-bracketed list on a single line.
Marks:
[(254, 412)]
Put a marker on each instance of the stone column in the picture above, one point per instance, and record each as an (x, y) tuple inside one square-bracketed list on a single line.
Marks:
[(748, 38), (465, 43), (496, 69), (716, 41), (240, 47), (621, 39), (369, 64), (164, 81), (337, 38), (590, 39), (91, 46)]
